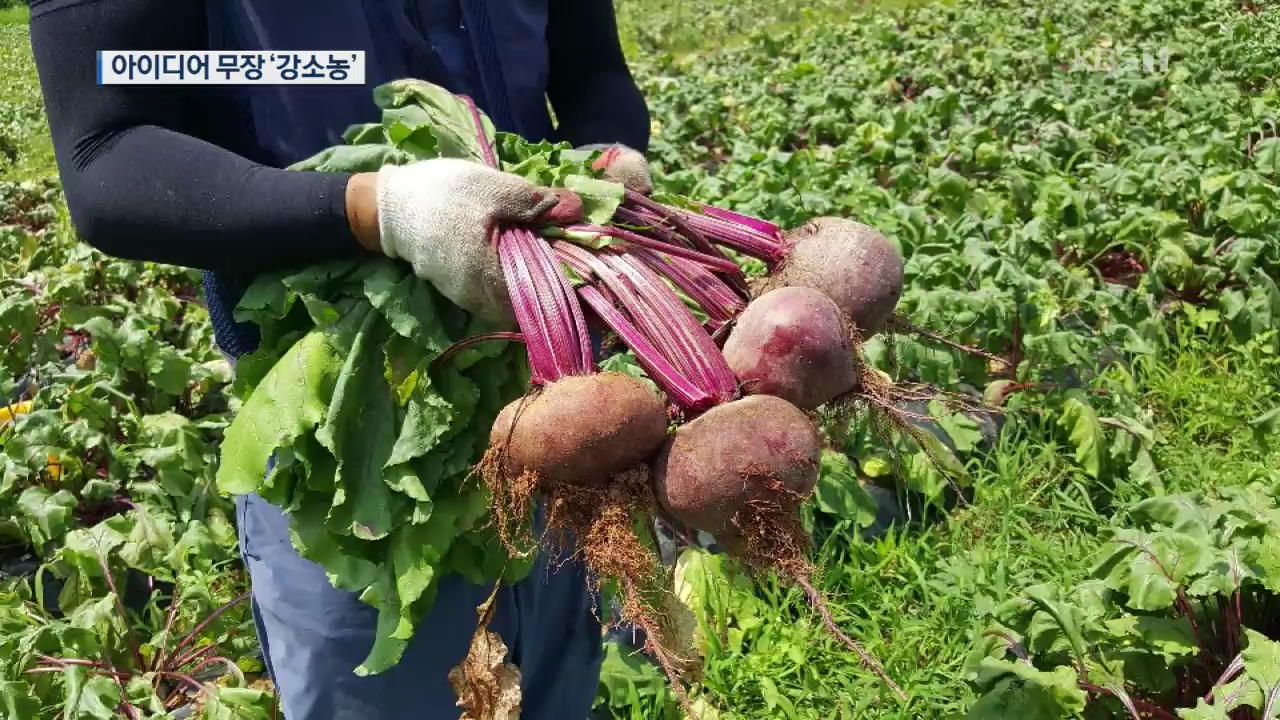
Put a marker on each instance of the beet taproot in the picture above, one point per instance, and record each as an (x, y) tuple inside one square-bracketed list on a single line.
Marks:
[(740, 472), (760, 450), (849, 262), (793, 343), (581, 430)]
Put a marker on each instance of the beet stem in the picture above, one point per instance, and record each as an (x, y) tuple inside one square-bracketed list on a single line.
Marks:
[(467, 342), (679, 388), (670, 319), (756, 224), (629, 236), (671, 216), (546, 307), (666, 325), (739, 237), (737, 280), (571, 255), (486, 148), (710, 293)]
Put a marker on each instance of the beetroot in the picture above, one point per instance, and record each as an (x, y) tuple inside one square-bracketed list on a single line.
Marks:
[(592, 447), (793, 343), (580, 441), (760, 450), (581, 430), (851, 263), (740, 472)]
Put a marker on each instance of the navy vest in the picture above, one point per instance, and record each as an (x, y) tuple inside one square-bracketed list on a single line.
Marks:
[(498, 56)]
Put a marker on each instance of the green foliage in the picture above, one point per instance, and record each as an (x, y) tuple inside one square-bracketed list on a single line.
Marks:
[(349, 424), (117, 363), (107, 465), (372, 446), (1177, 614), (104, 654), (26, 153), (839, 492), (632, 687)]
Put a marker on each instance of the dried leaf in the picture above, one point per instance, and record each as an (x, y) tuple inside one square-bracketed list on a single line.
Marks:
[(488, 688)]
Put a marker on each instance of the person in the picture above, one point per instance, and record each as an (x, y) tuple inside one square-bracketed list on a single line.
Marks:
[(193, 176)]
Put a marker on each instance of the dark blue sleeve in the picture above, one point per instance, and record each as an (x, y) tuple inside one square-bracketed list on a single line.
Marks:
[(591, 89), (139, 181)]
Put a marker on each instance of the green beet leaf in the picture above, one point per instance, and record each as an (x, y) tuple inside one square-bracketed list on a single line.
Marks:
[(373, 441), (289, 401)]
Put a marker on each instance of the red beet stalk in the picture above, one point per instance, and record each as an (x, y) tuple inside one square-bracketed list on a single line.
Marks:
[(661, 214), (592, 233), (486, 147), (546, 308), (717, 300), (685, 393), (698, 354), (761, 226), (748, 235), (665, 322), (748, 239), (682, 391)]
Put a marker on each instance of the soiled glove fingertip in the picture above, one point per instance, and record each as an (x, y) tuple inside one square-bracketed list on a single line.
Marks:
[(626, 166), (568, 208), (607, 156), (497, 309), (518, 200)]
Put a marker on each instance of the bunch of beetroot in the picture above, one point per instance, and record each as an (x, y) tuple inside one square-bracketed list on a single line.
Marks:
[(728, 447)]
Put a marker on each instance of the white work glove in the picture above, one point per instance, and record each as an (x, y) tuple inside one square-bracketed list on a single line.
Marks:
[(623, 165), (439, 214)]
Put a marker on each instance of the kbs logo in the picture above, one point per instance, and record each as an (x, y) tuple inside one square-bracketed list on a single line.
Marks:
[(1107, 59)]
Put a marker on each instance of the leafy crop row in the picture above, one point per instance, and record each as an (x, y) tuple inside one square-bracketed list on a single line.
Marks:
[(1053, 212), (114, 540)]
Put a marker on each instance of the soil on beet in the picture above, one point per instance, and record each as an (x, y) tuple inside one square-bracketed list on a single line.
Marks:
[(597, 524), (580, 430), (731, 457)]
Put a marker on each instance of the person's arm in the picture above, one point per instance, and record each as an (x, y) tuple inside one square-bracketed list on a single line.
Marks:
[(139, 187), (591, 89)]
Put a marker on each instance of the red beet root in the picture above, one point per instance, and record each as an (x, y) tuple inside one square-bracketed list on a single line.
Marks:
[(851, 263), (760, 450), (581, 430), (793, 343)]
